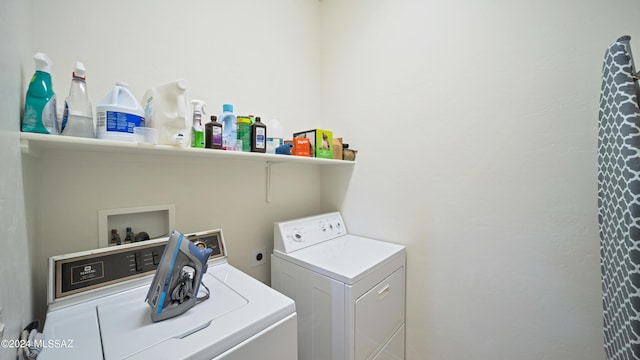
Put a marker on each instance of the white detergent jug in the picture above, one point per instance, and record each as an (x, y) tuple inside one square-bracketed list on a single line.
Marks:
[(118, 113), (165, 110)]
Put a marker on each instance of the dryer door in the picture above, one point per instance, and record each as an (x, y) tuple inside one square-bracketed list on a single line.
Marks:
[(379, 314)]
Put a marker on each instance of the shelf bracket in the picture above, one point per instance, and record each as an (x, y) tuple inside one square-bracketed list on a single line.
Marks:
[(28, 148), (268, 182)]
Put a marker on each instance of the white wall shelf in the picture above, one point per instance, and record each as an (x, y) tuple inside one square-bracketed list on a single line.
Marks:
[(33, 144)]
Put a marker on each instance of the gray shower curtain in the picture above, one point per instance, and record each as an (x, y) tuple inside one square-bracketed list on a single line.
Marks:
[(619, 202)]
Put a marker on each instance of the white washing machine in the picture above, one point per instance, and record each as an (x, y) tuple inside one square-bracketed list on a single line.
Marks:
[(349, 290), (97, 310)]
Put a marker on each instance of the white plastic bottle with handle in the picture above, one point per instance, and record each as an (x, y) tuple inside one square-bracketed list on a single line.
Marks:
[(118, 113)]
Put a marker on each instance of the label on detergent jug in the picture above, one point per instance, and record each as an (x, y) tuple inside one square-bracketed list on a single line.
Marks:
[(115, 121), (49, 116), (65, 117), (41, 122)]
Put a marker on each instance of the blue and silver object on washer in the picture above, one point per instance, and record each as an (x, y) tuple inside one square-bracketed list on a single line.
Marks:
[(175, 286)]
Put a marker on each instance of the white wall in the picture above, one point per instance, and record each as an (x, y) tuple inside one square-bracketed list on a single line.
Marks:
[(15, 257), (263, 57), (489, 179), (477, 129)]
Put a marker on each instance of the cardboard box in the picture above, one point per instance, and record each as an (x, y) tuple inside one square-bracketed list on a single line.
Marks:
[(321, 142), (301, 147), (337, 148)]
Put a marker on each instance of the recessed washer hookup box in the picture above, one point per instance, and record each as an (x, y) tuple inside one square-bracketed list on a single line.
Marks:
[(321, 142)]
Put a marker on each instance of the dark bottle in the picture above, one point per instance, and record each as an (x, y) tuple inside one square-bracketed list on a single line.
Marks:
[(258, 136), (115, 237), (130, 235), (213, 134)]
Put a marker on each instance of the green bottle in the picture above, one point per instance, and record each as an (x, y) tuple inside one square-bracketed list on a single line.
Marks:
[(40, 105), (244, 132), (197, 132)]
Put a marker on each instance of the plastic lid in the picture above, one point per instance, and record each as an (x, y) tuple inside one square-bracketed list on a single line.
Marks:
[(182, 84), (43, 63), (257, 118), (79, 71), (214, 118), (243, 119), (179, 139), (227, 108)]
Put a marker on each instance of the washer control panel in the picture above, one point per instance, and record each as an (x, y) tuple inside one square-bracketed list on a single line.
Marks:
[(289, 236), (80, 272), (94, 269)]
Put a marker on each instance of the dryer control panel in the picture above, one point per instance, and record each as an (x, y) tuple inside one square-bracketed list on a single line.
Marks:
[(293, 235)]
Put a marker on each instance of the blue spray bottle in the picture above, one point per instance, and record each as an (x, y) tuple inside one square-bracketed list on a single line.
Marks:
[(229, 127), (40, 105)]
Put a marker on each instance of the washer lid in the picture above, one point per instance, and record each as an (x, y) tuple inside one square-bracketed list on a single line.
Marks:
[(347, 258), (120, 323), (126, 327)]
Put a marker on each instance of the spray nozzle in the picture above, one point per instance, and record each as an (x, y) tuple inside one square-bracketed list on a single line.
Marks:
[(43, 62), (199, 106), (79, 71)]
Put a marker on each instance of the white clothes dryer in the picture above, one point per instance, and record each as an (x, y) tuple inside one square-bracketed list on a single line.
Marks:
[(349, 290), (97, 310)]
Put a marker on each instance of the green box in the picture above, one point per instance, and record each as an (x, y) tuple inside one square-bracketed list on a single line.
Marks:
[(321, 142)]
